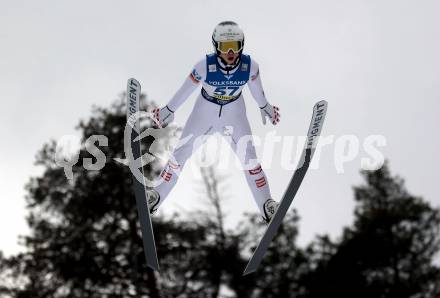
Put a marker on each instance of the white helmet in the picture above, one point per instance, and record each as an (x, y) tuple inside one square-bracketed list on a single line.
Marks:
[(228, 36)]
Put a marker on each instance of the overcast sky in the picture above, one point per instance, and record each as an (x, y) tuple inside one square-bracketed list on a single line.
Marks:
[(376, 62)]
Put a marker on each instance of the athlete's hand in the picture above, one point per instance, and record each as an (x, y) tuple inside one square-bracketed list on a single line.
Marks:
[(162, 117), (272, 112)]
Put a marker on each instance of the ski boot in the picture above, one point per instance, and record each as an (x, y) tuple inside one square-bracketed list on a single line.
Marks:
[(153, 199), (269, 208)]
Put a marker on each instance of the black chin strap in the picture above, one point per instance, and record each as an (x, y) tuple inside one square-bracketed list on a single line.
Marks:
[(228, 67)]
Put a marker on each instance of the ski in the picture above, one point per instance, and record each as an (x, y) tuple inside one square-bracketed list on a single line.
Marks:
[(135, 163), (319, 112)]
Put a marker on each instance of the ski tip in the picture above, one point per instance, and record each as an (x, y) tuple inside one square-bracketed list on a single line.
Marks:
[(320, 104), (133, 82)]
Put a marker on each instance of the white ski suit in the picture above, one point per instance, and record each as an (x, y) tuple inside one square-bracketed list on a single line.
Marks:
[(219, 108)]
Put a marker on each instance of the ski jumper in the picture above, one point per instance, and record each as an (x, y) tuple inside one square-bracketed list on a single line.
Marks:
[(220, 107)]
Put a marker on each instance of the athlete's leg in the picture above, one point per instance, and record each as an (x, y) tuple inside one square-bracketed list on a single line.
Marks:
[(240, 138), (195, 132)]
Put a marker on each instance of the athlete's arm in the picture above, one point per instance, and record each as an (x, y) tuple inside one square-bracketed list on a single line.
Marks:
[(255, 85), (196, 76)]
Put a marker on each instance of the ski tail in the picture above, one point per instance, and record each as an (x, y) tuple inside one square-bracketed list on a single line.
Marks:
[(135, 163)]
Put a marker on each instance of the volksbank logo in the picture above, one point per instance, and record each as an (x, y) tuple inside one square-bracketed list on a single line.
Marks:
[(226, 83)]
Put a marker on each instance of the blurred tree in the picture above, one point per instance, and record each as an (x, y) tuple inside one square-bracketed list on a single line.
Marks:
[(214, 219), (85, 238), (224, 259), (283, 267), (389, 251)]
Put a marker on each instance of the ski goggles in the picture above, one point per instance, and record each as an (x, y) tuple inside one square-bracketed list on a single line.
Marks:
[(225, 46)]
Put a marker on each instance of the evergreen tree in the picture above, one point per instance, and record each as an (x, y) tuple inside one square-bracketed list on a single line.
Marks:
[(390, 249), (85, 237)]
